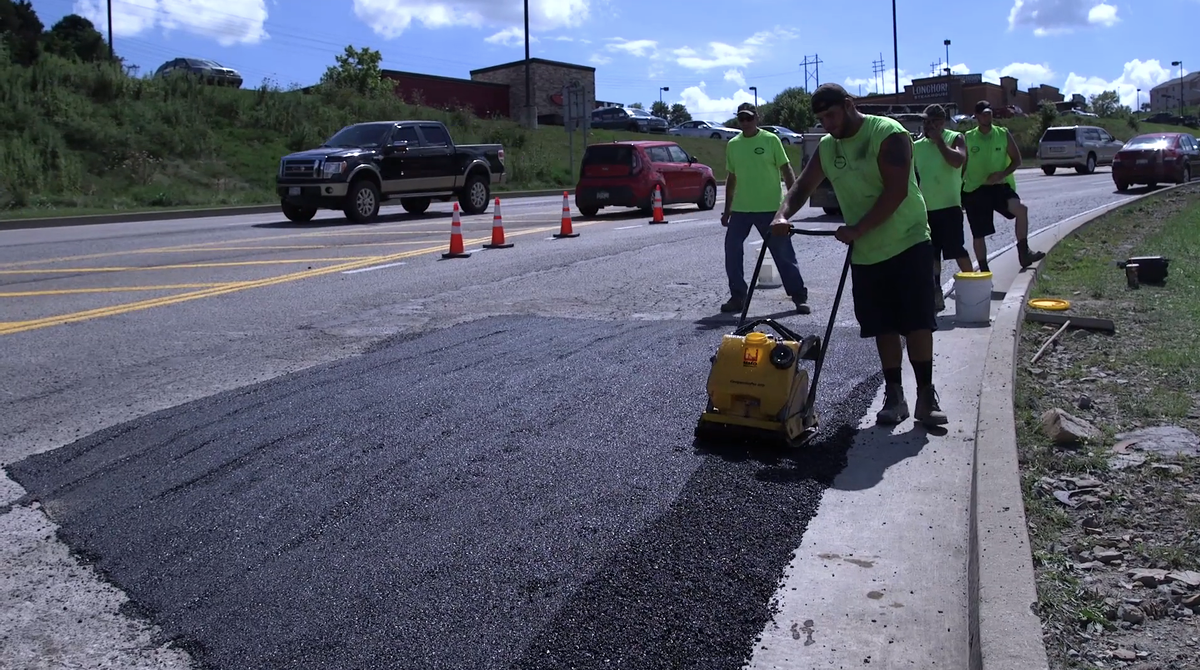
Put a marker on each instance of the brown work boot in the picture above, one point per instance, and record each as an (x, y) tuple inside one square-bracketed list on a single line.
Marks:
[(895, 407), (1029, 257), (928, 410)]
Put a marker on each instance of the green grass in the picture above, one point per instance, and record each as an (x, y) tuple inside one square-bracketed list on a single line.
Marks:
[(87, 139)]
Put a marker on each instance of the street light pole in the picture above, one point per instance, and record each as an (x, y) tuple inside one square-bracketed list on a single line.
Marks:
[(660, 92), (1179, 64), (949, 70), (895, 50), (111, 54), (528, 72), (755, 89)]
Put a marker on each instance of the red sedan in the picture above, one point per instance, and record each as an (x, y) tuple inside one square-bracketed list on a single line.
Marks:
[(1156, 157)]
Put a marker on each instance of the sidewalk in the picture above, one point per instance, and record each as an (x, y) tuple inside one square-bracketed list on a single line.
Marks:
[(884, 574)]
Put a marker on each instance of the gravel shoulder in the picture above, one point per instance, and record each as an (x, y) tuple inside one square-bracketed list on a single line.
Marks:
[(1106, 426)]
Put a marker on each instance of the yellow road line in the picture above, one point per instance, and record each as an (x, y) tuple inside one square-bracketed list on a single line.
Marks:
[(185, 266), (112, 289), (114, 310)]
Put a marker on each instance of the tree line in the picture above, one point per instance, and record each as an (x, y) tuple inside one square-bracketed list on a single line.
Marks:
[(25, 38)]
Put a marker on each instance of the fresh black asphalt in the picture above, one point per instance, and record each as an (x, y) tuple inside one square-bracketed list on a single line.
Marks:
[(516, 492)]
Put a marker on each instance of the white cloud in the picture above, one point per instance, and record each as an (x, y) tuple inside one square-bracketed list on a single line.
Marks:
[(224, 22), (701, 106), (599, 59), (1137, 74), (884, 83), (390, 18), (720, 54), (1027, 74), (1054, 17), (639, 48), (510, 37), (736, 77)]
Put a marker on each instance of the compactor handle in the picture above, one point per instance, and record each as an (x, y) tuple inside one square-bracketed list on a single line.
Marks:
[(814, 232)]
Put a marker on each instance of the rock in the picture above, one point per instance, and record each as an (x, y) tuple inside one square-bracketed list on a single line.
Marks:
[(1192, 601), (1064, 428), (1167, 469), (1125, 655), (1168, 441), (1187, 577), (1151, 577), (1109, 556), (1084, 402), (1131, 614)]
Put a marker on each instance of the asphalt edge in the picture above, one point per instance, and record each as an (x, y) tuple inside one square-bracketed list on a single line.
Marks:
[(1005, 630), (209, 212)]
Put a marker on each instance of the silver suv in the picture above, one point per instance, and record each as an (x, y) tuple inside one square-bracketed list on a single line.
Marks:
[(1080, 147)]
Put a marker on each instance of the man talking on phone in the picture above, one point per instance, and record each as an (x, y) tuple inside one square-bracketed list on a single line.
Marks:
[(869, 161), (938, 158)]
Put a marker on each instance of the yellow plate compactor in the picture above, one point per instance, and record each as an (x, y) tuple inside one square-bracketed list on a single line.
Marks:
[(758, 387)]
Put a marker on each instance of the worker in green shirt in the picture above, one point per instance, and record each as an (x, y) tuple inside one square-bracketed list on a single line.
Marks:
[(938, 158), (869, 161), (989, 186), (755, 160)]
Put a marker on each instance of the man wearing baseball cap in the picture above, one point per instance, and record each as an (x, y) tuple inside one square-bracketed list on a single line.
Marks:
[(938, 158), (989, 186), (755, 160), (869, 161)]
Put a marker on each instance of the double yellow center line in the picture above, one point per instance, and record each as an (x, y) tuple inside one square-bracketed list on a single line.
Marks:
[(11, 328)]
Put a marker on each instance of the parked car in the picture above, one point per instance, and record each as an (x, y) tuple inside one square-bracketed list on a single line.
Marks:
[(628, 118), (625, 174), (709, 129), (786, 135), (1080, 147), (364, 164), (1156, 157), (210, 72)]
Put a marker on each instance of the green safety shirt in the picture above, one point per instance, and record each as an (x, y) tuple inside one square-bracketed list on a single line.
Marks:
[(986, 153), (756, 162), (852, 167), (941, 183)]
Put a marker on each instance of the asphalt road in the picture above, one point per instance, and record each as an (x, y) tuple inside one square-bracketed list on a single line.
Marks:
[(393, 460)]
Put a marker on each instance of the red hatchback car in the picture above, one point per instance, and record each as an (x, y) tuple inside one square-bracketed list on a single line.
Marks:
[(624, 174), (1156, 157)]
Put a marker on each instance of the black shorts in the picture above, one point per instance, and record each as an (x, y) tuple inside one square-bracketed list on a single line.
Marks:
[(946, 233), (896, 295), (982, 202)]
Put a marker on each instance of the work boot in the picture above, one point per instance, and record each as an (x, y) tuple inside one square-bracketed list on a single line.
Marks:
[(733, 305), (1029, 257), (895, 407), (929, 412), (802, 306)]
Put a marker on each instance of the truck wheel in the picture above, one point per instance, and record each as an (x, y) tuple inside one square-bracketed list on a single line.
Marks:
[(415, 205), (708, 199), (1048, 169), (475, 195), (297, 213), (589, 210), (362, 201)]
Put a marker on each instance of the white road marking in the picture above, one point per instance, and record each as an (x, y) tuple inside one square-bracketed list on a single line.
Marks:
[(373, 267), (626, 227)]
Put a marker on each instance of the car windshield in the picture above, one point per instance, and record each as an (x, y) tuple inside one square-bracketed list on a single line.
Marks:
[(1059, 135), (608, 154), (638, 112), (784, 130), (204, 63), (361, 135), (1148, 142)]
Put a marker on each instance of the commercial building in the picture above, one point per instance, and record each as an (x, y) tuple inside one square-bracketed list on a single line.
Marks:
[(960, 92), (485, 100), (548, 78), (1165, 96)]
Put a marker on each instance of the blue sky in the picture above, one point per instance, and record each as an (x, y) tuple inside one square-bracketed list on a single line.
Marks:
[(707, 53)]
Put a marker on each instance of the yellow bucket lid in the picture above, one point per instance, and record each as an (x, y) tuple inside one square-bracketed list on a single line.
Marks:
[(757, 338), (972, 275), (1051, 304)]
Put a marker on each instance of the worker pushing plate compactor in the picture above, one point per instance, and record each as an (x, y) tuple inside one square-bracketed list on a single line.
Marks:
[(758, 387)]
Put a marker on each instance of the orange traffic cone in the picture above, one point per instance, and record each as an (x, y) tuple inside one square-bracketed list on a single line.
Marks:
[(497, 231), (566, 230), (658, 211), (456, 238)]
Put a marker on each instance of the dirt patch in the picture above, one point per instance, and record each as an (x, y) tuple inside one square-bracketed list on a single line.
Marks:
[(1107, 429)]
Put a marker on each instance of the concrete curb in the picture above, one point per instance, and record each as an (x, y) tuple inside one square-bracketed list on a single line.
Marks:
[(201, 213), (1005, 629)]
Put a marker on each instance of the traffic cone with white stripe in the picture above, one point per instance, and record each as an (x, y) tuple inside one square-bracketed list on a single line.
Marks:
[(658, 210), (497, 231), (566, 230), (456, 238)]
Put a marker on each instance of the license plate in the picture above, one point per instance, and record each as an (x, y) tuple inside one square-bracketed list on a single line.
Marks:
[(295, 190), (1057, 150), (602, 195), (1143, 161)]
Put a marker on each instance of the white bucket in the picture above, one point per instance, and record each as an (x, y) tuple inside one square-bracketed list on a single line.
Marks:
[(973, 297)]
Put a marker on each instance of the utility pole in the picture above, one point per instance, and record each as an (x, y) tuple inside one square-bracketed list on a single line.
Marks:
[(935, 68), (877, 72), (112, 55), (815, 75), (529, 118), (895, 50)]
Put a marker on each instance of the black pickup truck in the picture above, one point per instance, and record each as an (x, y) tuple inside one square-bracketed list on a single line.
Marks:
[(367, 163)]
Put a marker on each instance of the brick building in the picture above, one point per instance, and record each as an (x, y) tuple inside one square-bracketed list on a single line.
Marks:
[(486, 100), (960, 92), (548, 78), (1165, 96)]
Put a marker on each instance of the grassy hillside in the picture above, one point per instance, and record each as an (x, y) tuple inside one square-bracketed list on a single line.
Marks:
[(1028, 130), (80, 138)]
